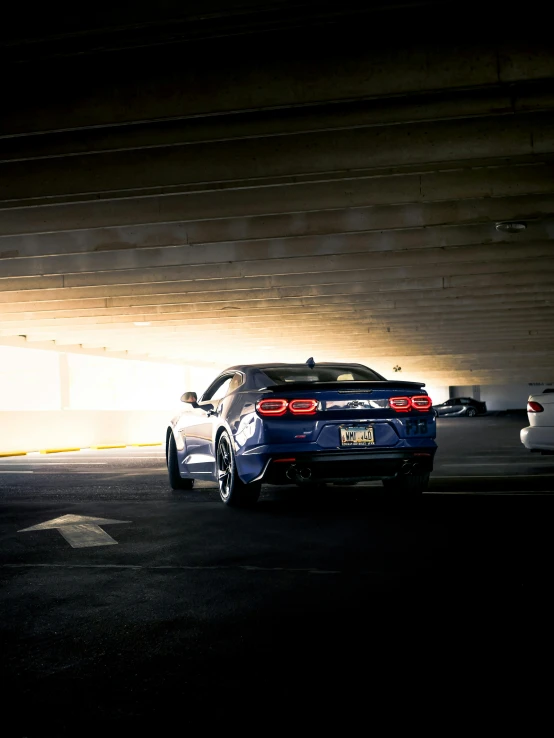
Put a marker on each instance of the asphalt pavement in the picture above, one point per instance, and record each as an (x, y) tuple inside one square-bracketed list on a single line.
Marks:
[(151, 608)]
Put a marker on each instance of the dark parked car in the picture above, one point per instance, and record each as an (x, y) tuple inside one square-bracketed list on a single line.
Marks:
[(461, 406), (302, 424)]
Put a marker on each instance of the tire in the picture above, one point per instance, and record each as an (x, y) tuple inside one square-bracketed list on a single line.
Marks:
[(232, 490), (471, 412), (176, 481), (411, 486)]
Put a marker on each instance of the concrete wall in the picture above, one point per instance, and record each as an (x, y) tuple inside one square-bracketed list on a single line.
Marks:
[(471, 390), (510, 396), (54, 399), (436, 393), (33, 431), (501, 396)]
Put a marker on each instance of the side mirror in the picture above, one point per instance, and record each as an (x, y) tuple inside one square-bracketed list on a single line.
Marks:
[(189, 397)]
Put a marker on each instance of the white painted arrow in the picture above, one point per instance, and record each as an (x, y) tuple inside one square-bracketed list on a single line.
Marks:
[(80, 531)]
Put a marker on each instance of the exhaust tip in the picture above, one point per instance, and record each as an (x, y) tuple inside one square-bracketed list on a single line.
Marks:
[(302, 474)]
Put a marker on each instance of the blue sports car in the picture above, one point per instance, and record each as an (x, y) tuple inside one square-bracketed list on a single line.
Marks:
[(303, 424)]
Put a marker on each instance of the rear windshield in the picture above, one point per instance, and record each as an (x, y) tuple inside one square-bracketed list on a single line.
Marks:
[(328, 373)]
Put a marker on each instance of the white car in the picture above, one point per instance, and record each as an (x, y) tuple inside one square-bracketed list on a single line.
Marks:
[(539, 436)]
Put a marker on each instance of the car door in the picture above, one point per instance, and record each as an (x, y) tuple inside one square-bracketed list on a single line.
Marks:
[(446, 407), (200, 452), (465, 403), (458, 406)]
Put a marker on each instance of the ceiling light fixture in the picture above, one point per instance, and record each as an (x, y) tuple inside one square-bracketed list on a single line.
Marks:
[(510, 226)]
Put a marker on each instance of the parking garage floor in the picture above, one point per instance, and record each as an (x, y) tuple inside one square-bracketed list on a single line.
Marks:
[(177, 608)]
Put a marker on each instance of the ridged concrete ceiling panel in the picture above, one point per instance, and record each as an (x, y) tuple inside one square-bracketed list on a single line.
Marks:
[(336, 199)]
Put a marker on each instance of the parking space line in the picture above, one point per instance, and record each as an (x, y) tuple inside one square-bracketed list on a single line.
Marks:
[(113, 472), (486, 476), (526, 462), (121, 458), (47, 462), (178, 567), (106, 445), (57, 450), (492, 493), (133, 449)]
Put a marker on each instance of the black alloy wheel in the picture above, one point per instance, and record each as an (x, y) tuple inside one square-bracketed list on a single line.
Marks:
[(176, 481), (471, 412), (232, 490)]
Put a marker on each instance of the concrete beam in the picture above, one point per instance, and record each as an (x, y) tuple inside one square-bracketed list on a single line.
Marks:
[(443, 299), (154, 83), (429, 246), (313, 153), (347, 309), (394, 336), (340, 232), (224, 200), (139, 89)]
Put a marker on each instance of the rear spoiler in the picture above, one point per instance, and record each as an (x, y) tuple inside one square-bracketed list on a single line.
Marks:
[(344, 386)]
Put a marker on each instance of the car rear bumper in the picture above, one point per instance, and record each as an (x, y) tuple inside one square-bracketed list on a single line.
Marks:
[(538, 437), (345, 465)]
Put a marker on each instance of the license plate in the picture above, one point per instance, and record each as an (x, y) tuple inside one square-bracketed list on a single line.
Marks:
[(357, 435)]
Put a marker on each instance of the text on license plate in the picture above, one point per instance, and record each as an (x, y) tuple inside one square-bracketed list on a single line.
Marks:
[(357, 436)]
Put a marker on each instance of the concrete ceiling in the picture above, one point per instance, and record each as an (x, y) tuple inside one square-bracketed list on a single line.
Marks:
[(274, 186)]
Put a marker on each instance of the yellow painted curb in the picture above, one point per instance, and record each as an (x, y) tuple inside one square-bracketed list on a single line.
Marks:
[(107, 445), (147, 444), (57, 450), (12, 453)]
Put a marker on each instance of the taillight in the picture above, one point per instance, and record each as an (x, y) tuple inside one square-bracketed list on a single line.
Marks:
[(534, 407), (303, 407), (400, 404), (405, 404), (272, 407), (421, 402)]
